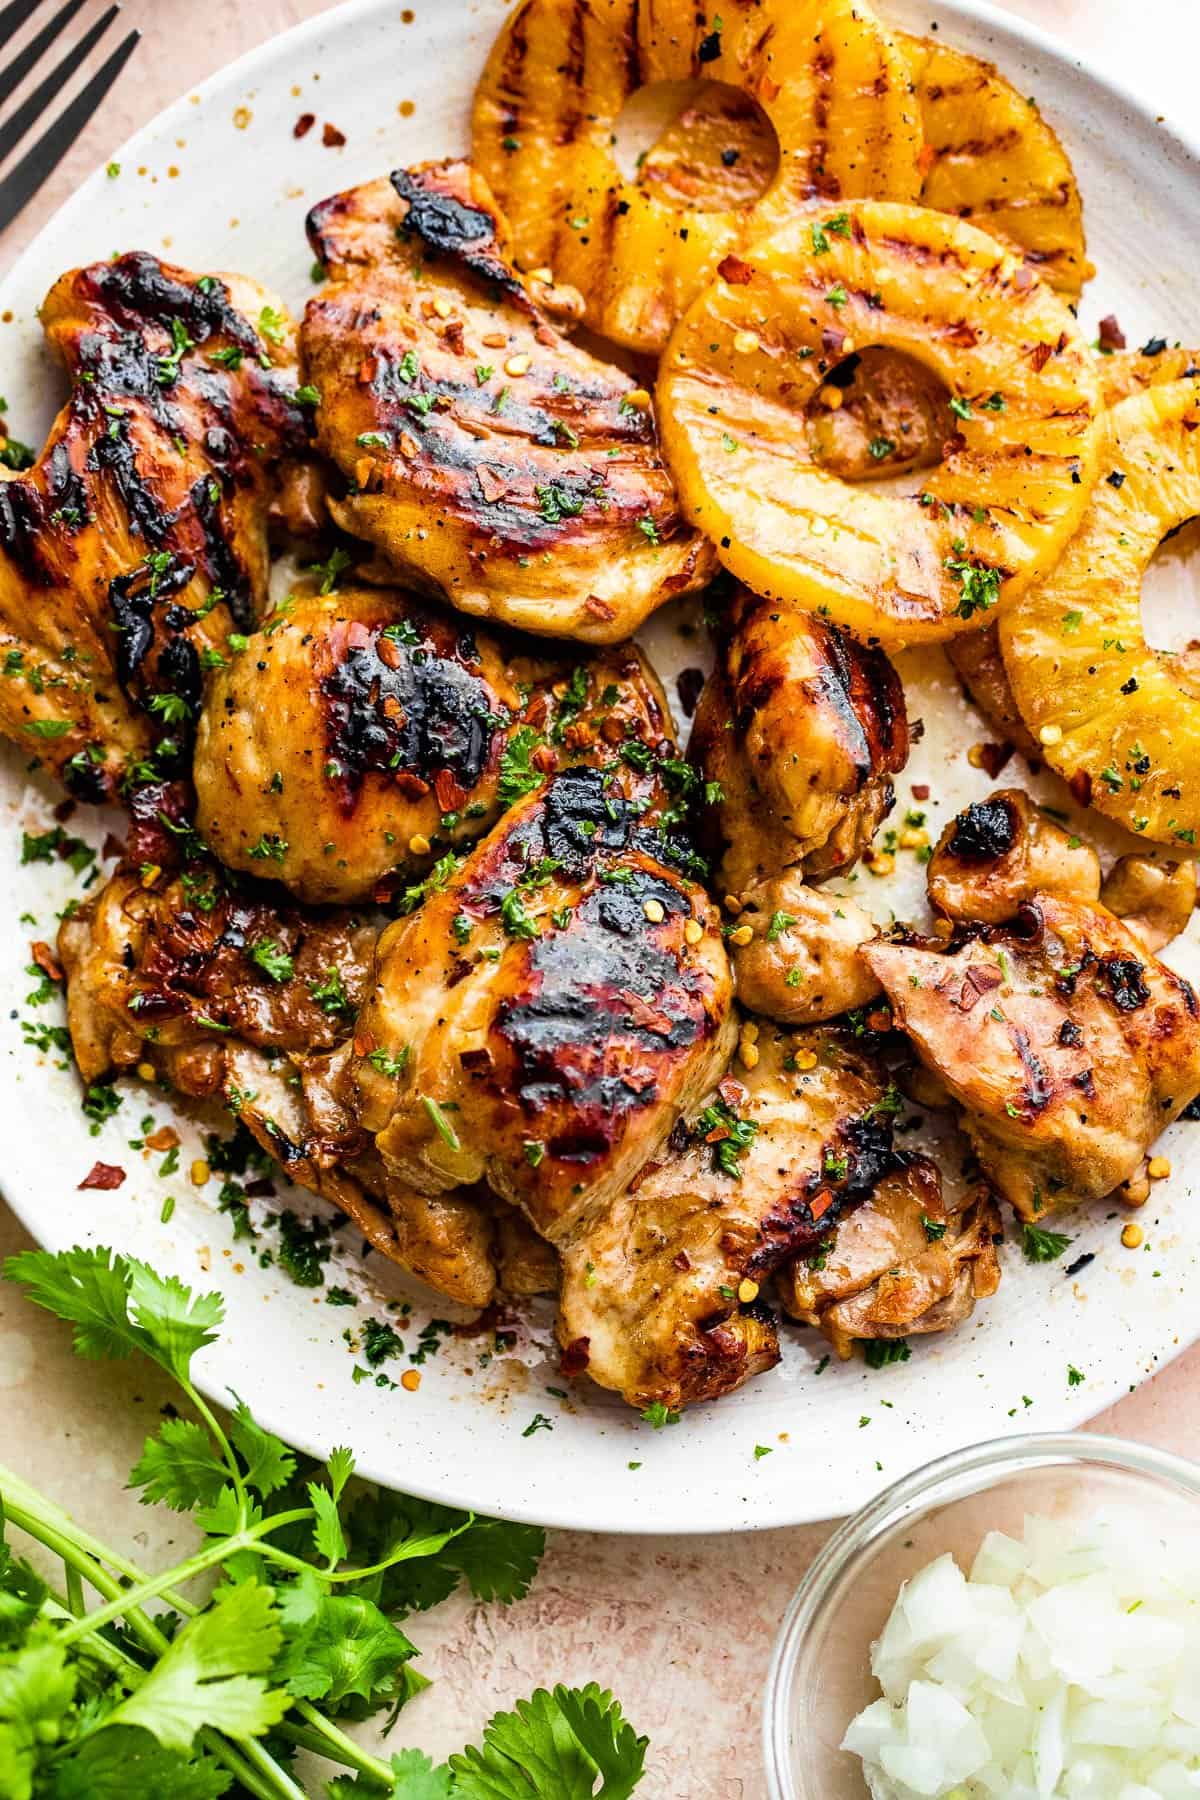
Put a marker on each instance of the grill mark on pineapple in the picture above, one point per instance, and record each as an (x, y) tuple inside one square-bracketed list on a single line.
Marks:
[(817, 181), (574, 73)]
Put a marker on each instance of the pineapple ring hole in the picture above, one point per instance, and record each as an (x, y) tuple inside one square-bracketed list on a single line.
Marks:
[(879, 414), (1171, 596), (700, 146)]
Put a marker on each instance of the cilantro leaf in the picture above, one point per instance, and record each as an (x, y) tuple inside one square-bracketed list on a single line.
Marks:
[(213, 1673), (533, 1753), (179, 1467), (90, 1288), (328, 1535), (338, 1645), (416, 1779), (269, 1462), (498, 1559), (611, 1742), (125, 1763), (1042, 1246), (176, 1322)]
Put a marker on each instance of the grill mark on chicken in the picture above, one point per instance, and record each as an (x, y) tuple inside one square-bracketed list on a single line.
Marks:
[(448, 227), (983, 831), (402, 709), (863, 1151), (596, 999)]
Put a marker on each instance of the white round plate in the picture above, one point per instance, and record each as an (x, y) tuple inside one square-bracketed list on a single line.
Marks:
[(220, 182)]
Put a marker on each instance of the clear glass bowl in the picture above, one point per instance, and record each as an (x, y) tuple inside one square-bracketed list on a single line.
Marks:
[(820, 1672)]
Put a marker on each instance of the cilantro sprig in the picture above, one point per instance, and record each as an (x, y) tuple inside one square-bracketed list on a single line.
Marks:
[(103, 1695)]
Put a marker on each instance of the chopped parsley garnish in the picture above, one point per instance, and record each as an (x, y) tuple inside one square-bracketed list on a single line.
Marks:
[(1042, 1246), (658, 1414), (980, 586), (391, 1066), (517, 776), (880, 1353), (729, 1135), (272, 959), (780, 922)]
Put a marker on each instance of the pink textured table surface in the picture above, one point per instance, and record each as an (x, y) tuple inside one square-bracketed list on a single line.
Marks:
[(681, 1630)]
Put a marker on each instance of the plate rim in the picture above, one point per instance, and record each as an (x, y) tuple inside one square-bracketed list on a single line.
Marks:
[(587, 1512)]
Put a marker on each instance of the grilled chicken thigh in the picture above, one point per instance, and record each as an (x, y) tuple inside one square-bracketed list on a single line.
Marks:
[(801, 963), (486, 456), (229, 995), (1067, 1046), (545, 1017), (139, 537), (361, 732), (903, 1264), (659, 1295), (802, 729)]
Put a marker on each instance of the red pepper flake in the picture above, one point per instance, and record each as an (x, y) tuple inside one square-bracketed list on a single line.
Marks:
[(736, 272), (682, 1261), (926, 157), (545, 336), (331, 137), (491, 485), (732, 1092), (599, 609), (46, 960), (993, 757), (103, 1175), (304, 125), (165, 1138), (576, 1356), (820, 1204), (1111, 336), (920, 790), (1040, 355)]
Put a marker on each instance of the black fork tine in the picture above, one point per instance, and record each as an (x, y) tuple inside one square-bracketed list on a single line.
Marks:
[(20, 185), (31, 109), (15, 15), (14, 74)]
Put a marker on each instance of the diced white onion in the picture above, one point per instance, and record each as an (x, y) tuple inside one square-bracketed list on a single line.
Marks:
[(1065, 1667)]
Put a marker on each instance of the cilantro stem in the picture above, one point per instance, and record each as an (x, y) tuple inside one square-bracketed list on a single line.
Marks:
[(325, 1739), (218, 1551), (226, 1449), (74, 1590), (275, 1782)]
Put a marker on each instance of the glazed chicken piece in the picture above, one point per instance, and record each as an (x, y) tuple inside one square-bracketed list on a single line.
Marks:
[(1154, 899), (903, 1264), (551, 1010), (139, 537), (362, 732), (487, 457), (1066, 1045), (802, 729), (660, 1293), (801, 963), (228, 995), (1000, 852)]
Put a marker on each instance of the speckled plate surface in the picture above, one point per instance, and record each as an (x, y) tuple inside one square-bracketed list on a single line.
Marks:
[(220, 182)]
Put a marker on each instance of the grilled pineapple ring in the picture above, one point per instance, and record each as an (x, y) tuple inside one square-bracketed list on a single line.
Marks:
[(827, 74), (1119, 719), (752, 350)]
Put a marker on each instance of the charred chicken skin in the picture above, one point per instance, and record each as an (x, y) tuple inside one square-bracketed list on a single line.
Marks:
[(138, 539), (361, 732), (660, 1293), (802, 728), (487, 457), (550, 1011), (903, 1264), (1066, 1044), (1000, 852)]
